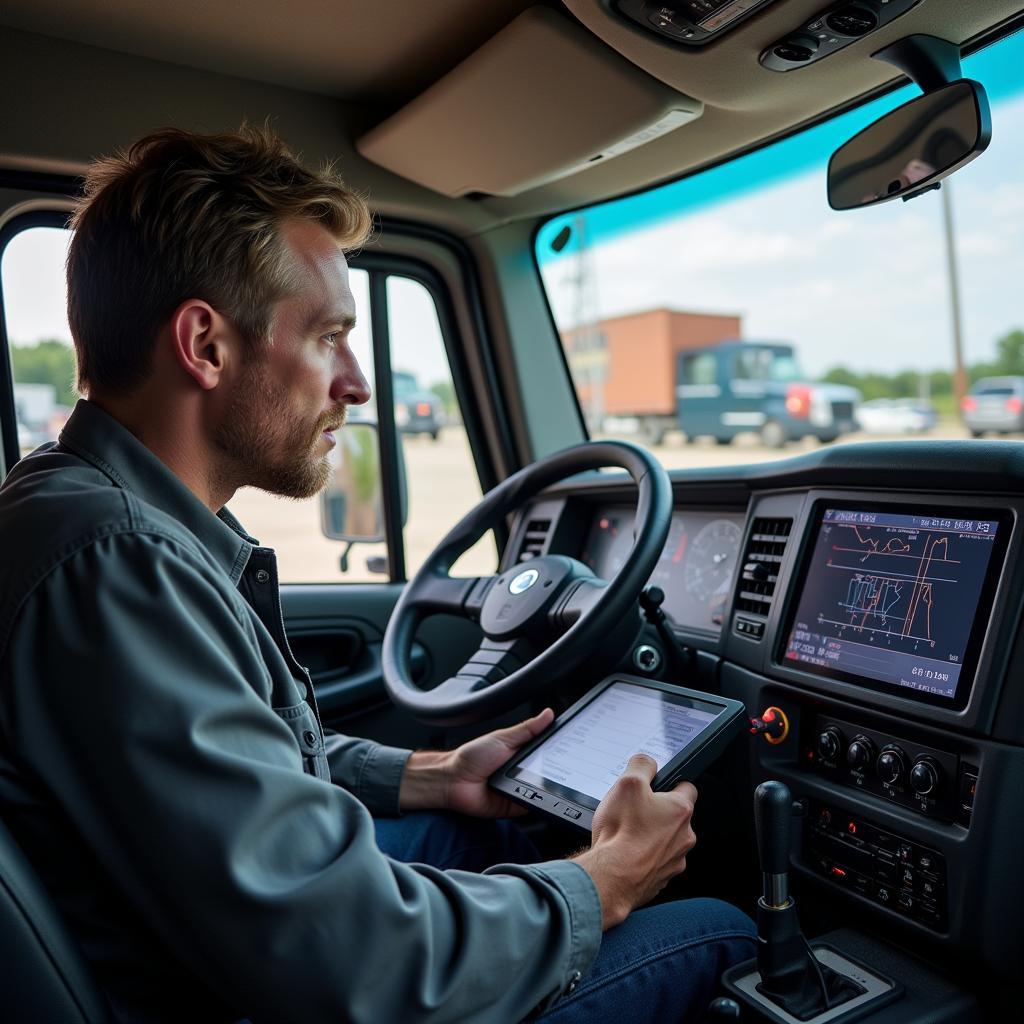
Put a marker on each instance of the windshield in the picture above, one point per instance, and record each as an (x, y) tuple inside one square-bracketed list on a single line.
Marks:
[(404, 384), (735, 308)]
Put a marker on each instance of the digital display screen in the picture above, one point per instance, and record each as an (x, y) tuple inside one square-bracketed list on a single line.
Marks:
[(582, 759), (892, 597), (695, 569)]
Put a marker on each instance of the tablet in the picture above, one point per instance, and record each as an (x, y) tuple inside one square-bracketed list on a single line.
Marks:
[(569, 768)]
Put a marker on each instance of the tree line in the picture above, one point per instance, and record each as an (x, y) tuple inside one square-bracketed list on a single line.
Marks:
[(52, 361), (1009, 361)]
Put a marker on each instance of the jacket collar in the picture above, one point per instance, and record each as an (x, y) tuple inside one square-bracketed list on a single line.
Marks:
[(97, 437)]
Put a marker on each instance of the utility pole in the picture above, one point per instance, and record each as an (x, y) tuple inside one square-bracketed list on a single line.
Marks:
[(959, 373), (588, 357)]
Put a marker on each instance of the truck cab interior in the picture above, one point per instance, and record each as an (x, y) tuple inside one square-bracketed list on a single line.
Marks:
[(536, 167)]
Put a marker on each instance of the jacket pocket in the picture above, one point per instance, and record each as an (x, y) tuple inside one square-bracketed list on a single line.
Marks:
[(306, 729)]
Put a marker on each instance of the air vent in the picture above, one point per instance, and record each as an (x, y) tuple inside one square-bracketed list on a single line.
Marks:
[(534, 539), (761, 564)]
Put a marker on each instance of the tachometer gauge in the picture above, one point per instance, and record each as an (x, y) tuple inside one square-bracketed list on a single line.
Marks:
[(709, 561)]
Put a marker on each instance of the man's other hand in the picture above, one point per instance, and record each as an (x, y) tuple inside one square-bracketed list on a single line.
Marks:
[(456, 780), (640, 840)]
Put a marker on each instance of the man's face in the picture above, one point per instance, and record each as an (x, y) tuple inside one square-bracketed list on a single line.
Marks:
[(293, 392)]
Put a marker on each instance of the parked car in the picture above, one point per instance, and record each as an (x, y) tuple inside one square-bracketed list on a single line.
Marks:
[(995, 403), (896, 416), (417, 411)]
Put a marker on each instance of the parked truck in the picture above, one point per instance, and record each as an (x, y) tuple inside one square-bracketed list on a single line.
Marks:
[(625, 367), (648, 373), (741, 386)]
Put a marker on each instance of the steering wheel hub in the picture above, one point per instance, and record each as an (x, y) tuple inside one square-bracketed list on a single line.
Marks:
[(520, 601)]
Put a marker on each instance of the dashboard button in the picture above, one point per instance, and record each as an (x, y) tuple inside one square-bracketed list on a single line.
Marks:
[(891, 765), (860, 753), (830, 743), (924, 776), (572, 812)]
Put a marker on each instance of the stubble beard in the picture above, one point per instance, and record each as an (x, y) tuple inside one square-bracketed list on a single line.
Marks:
[(266, 445)]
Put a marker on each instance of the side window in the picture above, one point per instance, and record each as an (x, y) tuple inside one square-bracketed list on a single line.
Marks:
[(439, 472), (42, 359), (700, 369), (442, 480), (755, 364)]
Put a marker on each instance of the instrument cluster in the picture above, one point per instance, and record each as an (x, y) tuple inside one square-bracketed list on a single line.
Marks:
[(696, 568)]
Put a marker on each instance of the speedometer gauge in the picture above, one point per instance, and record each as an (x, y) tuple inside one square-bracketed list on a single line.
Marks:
[(709, 562)]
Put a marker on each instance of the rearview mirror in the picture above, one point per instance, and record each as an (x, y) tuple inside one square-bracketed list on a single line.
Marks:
[(352, 504), (911, 149)]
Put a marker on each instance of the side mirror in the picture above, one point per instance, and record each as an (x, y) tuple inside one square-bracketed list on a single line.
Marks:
[(352, 504), (911, 149)]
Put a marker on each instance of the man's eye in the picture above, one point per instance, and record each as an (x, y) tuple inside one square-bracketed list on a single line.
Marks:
[(333, 338)]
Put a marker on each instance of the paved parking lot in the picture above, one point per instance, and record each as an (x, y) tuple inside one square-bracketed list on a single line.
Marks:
[(442, 488)]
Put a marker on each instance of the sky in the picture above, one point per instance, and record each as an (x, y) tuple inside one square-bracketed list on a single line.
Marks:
[(866, 288)]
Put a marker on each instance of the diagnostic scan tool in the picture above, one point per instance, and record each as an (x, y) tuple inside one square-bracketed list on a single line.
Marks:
[(569, 768)]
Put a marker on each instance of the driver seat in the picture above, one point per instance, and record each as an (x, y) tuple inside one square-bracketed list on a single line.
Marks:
[(43, 976)]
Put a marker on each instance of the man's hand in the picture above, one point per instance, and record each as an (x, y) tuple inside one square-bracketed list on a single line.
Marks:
[(456, 780), (640, 840)]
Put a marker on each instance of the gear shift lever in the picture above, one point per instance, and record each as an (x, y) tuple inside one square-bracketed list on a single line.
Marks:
[(781, 952), (791, 976)]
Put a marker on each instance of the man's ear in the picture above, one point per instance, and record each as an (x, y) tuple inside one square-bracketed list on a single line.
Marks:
[(203, 341)]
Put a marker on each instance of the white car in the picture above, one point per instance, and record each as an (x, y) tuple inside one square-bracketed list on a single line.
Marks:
[(895, 416)]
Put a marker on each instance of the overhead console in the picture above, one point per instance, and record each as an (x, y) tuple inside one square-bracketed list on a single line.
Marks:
[(831, 30), (691, 22)]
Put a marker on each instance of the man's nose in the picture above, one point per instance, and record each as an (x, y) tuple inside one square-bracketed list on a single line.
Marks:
[(349, 385)]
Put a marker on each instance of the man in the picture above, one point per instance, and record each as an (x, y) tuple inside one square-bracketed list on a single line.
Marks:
[(162, 761)]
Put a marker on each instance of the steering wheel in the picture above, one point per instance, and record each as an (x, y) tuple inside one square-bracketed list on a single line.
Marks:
[(541, 618)]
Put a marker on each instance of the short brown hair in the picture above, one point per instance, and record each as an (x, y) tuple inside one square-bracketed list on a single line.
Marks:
[(182, 215)]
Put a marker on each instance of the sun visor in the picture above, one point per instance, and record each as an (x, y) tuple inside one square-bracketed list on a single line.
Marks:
[(541, 100)]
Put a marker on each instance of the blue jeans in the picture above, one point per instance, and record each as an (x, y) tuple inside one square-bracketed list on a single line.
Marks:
[(661, 965)]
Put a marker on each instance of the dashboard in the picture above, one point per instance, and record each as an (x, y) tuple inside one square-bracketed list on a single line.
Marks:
[(882, 621), (695, 570)]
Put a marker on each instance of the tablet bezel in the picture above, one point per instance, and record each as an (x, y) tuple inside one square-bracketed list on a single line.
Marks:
[(554, 799)]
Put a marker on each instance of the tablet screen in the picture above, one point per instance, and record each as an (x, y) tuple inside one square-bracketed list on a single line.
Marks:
[(582, 758)]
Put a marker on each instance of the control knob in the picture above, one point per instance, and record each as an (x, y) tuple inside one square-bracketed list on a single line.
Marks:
[(924, 776), (891, 765), (860, 753), (830, 743)]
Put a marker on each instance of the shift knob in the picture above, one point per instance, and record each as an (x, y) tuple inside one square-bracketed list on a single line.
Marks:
[(773, 814)]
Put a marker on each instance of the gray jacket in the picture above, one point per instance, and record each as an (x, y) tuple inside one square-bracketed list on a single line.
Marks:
[(163, 766)]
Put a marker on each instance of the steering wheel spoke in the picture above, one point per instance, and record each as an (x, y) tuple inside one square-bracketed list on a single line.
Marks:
[(496, 659), (437, 593), (578, 600)]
